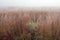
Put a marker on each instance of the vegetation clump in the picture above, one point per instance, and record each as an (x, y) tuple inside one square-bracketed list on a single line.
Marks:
[(33, 27)]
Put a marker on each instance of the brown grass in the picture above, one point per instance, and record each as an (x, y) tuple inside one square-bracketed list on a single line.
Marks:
[(49, 22)]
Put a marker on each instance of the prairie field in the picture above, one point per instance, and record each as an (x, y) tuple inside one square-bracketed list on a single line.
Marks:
[(14, 24)]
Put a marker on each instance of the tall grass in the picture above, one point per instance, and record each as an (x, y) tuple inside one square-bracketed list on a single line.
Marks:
[(13, 25)]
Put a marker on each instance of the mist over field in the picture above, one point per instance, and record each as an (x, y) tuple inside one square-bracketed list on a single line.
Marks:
[(29, 19)]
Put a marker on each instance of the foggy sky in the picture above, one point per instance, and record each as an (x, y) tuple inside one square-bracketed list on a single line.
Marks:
[(29, 3)]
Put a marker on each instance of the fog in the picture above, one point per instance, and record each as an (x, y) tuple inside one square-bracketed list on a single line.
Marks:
[(29, 3)]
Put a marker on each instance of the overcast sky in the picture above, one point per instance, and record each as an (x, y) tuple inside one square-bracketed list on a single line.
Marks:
[(29, 3)]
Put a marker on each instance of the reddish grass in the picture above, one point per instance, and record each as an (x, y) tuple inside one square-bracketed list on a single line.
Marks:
[(49, 22)]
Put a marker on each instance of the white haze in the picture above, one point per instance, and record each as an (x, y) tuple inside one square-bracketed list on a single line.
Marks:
[(29, 3)]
